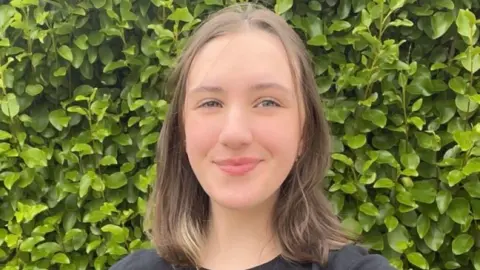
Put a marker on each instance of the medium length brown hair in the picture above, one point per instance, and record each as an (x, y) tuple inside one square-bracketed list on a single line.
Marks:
[(178, 209)]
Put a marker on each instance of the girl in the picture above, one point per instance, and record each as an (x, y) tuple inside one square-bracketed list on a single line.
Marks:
[(241, 157)]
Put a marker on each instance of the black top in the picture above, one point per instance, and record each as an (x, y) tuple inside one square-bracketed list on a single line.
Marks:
[(348, 258)]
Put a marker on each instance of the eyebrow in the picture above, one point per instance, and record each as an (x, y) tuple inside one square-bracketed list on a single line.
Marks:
[(257, 86)]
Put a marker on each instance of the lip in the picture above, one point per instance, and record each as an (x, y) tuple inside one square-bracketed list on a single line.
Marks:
[(237, 166)]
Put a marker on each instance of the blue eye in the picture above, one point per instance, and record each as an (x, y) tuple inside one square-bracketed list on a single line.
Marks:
[(268, 103), (211, 103)]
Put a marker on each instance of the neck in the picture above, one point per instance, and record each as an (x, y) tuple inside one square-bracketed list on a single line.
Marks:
[(240, 239)]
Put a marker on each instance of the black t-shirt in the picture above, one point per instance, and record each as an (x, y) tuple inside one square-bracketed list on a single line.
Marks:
[(348, 258)]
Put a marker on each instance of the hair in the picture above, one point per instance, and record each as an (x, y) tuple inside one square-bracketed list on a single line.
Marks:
[(178, 208)]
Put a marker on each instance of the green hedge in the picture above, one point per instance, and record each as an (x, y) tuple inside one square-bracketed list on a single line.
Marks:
[(82, 102)]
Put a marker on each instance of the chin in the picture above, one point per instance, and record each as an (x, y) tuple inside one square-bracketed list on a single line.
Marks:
[(239, 200)]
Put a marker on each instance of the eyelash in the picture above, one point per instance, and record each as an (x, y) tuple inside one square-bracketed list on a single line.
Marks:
[(205, 104)]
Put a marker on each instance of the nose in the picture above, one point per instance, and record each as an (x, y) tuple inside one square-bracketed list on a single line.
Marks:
[(236, 131)]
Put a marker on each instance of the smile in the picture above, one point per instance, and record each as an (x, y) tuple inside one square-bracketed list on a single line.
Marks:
[(237, 166)]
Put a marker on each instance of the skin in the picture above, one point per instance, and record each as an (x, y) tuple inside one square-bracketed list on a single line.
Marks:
[(241, 102)]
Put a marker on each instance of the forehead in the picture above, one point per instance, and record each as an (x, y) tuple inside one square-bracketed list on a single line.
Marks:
[(244, 57)]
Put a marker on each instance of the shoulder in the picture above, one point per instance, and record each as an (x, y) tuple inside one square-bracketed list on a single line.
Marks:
[(144, 259), (352, 257)]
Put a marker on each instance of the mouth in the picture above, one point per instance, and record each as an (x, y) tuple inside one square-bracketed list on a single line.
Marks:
[(237, 166)]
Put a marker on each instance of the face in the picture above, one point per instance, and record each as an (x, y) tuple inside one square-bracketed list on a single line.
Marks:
[(242, 119)]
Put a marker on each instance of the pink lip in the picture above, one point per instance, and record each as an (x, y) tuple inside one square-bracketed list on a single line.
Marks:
[(237, 166)]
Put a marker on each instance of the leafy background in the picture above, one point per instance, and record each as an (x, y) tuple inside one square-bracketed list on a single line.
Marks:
[(82, 102)]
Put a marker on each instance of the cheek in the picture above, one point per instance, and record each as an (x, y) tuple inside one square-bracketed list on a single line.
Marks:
[(280, 136), (200, 137)]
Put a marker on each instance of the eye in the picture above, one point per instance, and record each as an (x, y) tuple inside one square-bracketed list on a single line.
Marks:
[(268, 103), (210, 103)]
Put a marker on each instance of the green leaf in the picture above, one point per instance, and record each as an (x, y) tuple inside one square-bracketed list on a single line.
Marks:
[(418, 260), (59, 119), (355, 141), (60, 258), (94, 216), (181, 14), (114, 65), (75, 237), (341, 157), (434, 238), (77, 109), (123, 139), (410, 160), (473, 188), (466, 23), (34, 89), (98, 3), (444, 198), (282, 6), (10, 106), (46, 249), (85, 183), (337, 114), (391, 222), (34, 157), (406, 198), (5, 135), (339, 25), (452, 265), (108, 160), (476, 260), (428, 141), (448, 4), (343, 9), (82, 148), (61, 71), (441, 22), (417, 105), (29, 243), (149, 71), (458, 210), (27, 212), (93, 245), (99, 107), (396, 4), (349, 188), (369, 209), (384, 183), (115, 180), (375, 116), (398, 239), (315, 5), (95, 38), (423, 225), (417, 121), (116, 249), (65, 52), (454, 177), (106, 54), (318, 40), (10, 178), (117, 232), (462, 244), (81, 42), (214, 2), (352, 226), (368, 178), (464, 104), (464, 139), (471, 59), (458, 84)]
